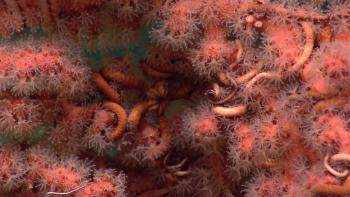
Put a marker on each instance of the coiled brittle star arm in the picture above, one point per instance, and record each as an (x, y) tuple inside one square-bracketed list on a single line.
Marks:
[(122, 119), (65, 193), (153, 72), (230, 111), (269, 75), (128, 80), (309, 45), (137, 112), (331, 188), (102, 85), (331, 102), (332, 171), (341, 157)]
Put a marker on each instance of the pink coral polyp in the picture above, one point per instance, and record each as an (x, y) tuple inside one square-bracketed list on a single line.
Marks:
[(206, 127)]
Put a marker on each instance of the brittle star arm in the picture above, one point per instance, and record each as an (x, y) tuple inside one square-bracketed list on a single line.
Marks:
[(65, 193), (332, 171)]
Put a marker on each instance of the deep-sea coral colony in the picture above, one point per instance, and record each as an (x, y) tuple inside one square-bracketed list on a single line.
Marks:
[(263, 88)]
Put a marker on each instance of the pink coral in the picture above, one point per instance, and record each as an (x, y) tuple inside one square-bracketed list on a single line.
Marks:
[(179, 30), (279, 36), (328, 71), (214, 53), (105, 183), (40, 68), (64, 175), (12, 168)]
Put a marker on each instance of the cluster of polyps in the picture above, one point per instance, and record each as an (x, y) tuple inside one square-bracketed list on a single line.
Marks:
[(40, 169), (273, 87), (39, 68)]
